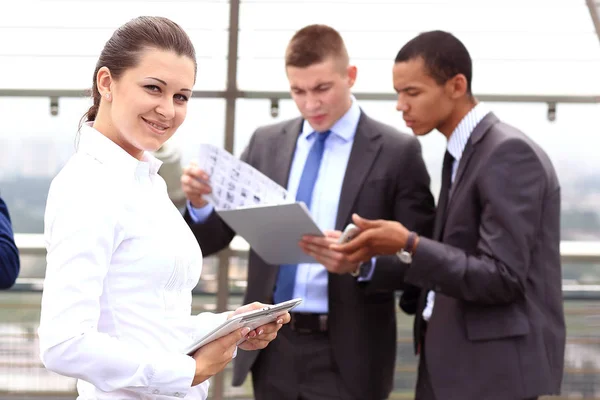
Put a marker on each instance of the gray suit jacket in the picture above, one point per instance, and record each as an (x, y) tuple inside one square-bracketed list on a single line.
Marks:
[(497, 329), (385, 178)]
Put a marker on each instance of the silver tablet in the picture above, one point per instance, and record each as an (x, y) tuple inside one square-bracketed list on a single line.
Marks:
[(274, 231), (251, 319)]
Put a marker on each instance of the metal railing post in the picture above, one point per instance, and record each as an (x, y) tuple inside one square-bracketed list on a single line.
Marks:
[(231, 94)]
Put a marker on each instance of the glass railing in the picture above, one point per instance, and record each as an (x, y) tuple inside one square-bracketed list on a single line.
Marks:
[(23, 376)]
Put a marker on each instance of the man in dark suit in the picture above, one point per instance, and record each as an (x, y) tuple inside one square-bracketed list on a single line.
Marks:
[(341, 343), (9, 254), (490, 322)]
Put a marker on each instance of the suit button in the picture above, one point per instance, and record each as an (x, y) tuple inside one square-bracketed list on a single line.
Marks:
[(156, 391), (177, 394)]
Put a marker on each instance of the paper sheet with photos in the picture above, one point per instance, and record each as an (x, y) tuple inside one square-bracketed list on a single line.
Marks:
[(235, 183)]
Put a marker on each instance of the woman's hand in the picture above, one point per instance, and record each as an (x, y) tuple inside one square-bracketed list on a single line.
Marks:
[(263, 335), (214, 356)]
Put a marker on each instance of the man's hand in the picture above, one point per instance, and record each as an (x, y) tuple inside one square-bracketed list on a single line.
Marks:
[(376, 237), (263, 335), (194, 183), (320, 248)]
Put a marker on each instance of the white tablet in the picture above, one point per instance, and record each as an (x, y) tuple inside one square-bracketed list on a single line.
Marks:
[(250, 319), (274, 231)]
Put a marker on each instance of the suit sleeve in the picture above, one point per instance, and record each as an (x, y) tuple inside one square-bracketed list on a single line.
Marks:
[(511, 186), (414, 207), (213, 235), (9, 254)]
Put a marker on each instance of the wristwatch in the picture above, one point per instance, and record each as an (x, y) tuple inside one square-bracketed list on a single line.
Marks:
[(362, 270), (405, 255)]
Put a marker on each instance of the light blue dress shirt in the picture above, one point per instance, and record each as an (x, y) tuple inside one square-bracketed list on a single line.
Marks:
[(312, 279)]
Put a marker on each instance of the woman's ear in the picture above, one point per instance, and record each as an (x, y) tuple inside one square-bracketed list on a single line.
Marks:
[(104, 83)]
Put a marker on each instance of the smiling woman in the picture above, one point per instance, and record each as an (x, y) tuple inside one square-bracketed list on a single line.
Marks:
[(142, 82), (121, 262), (143, 108)]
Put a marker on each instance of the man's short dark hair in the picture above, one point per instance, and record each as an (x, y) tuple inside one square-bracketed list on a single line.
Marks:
[(443, 54)]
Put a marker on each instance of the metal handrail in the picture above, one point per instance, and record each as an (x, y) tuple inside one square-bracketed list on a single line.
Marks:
[(281, 95), (572, 252)]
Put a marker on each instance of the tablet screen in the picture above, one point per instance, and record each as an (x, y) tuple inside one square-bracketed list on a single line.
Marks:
[(252, 319)]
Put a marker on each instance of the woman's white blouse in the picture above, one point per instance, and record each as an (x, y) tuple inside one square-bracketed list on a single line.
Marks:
[(121, 264)]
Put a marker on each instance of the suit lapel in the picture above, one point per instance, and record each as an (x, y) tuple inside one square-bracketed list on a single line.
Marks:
[(284, 154), (440, 220), (442, 210), (462, 166), (365, 149), (478, 133)]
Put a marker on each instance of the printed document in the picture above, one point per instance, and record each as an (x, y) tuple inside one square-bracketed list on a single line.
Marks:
[(235, 183)]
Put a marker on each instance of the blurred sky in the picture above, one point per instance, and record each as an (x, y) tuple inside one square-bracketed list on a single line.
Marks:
[(519, 47)]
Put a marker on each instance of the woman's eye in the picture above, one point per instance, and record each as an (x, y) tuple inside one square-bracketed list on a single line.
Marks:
[(181, 97)]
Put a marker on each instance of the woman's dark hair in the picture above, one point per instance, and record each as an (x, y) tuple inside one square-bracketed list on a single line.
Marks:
[(123, 49)]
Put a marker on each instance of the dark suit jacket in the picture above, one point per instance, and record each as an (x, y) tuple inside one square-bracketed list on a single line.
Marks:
[(9, 254), (385, 178), (497, 329)]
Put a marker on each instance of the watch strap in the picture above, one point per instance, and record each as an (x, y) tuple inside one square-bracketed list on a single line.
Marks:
[(410, 242)]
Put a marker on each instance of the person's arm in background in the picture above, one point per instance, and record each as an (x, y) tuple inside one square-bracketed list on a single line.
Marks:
[(511, 184), (171, 171), (210, 231), (9, 254), (414, 207)]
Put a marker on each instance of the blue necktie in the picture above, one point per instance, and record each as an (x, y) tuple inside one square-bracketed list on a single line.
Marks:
[(284, 289)]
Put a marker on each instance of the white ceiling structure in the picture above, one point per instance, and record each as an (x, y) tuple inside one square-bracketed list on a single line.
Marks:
[(517, 49), (594, 7)]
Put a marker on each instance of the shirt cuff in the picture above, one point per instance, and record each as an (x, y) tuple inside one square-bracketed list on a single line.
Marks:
[(429, 307), (369, 275), (199, 215), (172, 375)]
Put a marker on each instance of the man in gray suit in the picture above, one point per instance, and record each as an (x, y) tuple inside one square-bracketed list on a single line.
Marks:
[(341, 343), (490, 322)]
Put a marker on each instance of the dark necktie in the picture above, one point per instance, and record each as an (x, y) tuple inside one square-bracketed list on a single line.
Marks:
[(440, 218), (286, 279)]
